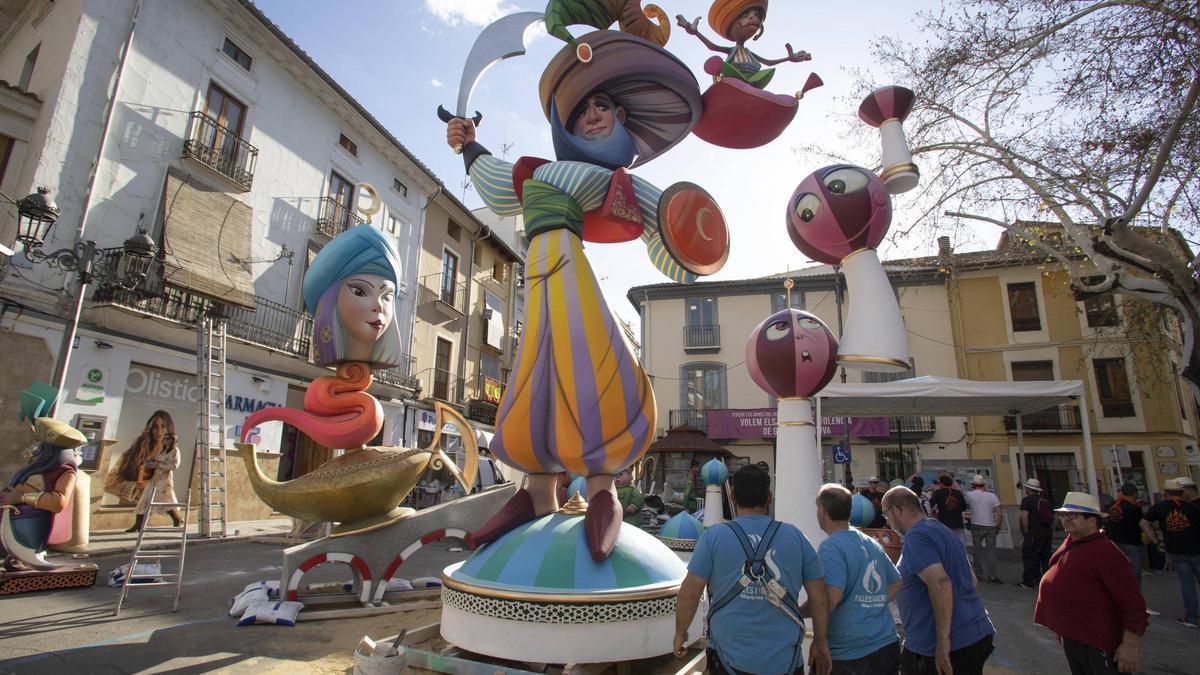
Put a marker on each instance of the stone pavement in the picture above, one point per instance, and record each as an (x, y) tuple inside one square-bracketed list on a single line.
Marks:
[(108, 542), (74, 631)]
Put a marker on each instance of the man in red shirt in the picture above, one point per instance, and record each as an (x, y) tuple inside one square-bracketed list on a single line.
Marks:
[(1089, 596)]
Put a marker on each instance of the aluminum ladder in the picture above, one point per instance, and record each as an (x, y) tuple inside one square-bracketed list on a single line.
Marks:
[(141, 555), (210, 427)]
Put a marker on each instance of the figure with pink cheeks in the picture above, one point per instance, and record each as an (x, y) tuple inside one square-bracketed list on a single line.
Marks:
[(741, 21)]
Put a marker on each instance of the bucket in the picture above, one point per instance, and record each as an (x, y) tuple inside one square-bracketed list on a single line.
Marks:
[(889, 539), (366, 662)]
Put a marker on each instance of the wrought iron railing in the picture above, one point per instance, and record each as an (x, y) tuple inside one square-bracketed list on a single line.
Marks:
[(696, 419), (1064, 419), (401, 375), (271, 325), (911, 426), (333, 218), (452, 296), (221, 150), (445, 386), (702, 336)]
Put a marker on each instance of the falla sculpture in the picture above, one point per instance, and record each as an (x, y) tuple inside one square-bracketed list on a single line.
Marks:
[(350, 289)]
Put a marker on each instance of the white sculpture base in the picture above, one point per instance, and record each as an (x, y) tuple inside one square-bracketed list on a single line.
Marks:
[(798, 466)]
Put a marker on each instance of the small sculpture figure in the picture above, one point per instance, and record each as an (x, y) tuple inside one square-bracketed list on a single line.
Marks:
[(740, 21), (36, 502)]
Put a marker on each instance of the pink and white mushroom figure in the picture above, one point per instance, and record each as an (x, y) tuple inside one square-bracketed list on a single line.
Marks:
[(791, 355), (838, 215), (886, 109)]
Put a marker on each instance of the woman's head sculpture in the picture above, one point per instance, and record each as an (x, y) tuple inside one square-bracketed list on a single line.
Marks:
[(350, 288)]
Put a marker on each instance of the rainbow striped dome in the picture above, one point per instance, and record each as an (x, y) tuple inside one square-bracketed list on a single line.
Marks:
[(714, 472), (682, 525), (550, 555)]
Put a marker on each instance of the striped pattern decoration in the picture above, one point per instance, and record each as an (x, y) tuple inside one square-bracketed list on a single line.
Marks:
[(493, 181), (648, 198), (682, 525), (550, 555), (547, 208), (586, 183), (578, 484), (714, 472), (577, 399)]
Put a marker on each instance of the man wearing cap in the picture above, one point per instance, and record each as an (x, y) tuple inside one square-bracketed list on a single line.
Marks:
[(985, 524), (1089, 597), (1037, 522), (1189, 489), (946, 627), (1180, 524), (873, 493)]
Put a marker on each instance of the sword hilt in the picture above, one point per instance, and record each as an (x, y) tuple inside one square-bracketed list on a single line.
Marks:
[(445, 116)]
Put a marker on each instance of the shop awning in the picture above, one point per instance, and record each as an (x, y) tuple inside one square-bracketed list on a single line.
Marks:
[(929, 395), (205, 240)]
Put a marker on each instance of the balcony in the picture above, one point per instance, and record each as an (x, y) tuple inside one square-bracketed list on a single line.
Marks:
[(911, 427), (449, 298), (444, 386), (333, 218), (702, 337), (1063, 419), (696, 419), (401, 375), (221, 150)]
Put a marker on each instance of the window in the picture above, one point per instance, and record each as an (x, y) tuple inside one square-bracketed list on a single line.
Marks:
[(393, 225), (489, 366), (779, 300), (348, 145), (702, 311), (441, 369), (449, 277), (27, 69), (1112, 385), (225, 109), (236, 53), (1101, 311), (400, 188), (895, 462), (701, 331), (879, 377), (703, 386), (6, 146), (453, 230), (341, 191), (1023, 306), (499, 269), (478, 257), (1032, 371)]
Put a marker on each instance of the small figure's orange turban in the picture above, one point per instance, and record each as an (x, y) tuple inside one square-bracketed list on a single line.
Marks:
[(723, 13)]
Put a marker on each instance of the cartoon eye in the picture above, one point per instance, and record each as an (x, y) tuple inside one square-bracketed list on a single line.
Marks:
[(777, 330), (809, 324), (808, 206), (356, 291), (846, 181)]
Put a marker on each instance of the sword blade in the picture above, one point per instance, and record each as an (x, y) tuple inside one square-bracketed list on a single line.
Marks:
[(504, 38)]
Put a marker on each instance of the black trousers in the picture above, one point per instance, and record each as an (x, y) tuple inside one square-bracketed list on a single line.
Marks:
[(1035, 554), (966, 661), (1087, 660), (883, 661)]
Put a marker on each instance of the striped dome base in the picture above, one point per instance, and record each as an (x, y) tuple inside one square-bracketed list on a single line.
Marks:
[(536, 595)]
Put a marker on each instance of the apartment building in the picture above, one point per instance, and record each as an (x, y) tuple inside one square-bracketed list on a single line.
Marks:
[(240, 157), (693, 341)]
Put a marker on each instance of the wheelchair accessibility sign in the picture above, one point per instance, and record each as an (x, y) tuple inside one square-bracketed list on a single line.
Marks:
[(841, 454)]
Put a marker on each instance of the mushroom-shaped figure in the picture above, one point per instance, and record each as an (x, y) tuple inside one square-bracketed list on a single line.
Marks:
[(838, 215), (886, 109), (791, 354), (681, 532), (714, 472), (838, 210)]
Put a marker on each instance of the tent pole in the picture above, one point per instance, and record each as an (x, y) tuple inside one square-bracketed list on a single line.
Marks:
[(1087, 445)]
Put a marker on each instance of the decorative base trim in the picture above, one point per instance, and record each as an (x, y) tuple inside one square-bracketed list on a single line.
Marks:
[(533, 612), (852, 360), (679, 544)]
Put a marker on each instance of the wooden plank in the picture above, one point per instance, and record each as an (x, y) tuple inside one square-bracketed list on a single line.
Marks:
[(356, 612)]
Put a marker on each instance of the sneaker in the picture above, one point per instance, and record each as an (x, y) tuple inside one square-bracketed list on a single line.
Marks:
[(1186, 623), (1026, 586), (994, 580), (1150, 612)]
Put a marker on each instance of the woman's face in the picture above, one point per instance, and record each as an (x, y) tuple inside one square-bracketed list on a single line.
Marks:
[(365, 305), (158, 427)]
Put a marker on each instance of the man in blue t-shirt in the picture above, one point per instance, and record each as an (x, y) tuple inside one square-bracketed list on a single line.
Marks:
[(751, 634), (946, 628), (860, 580)]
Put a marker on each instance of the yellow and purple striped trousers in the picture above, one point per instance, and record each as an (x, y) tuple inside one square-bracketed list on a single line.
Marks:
[(577, 399)]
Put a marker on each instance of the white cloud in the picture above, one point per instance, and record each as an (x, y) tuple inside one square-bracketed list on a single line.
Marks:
[(477, 12), (437, 83)]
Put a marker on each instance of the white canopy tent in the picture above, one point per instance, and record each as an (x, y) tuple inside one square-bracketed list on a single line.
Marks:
[(947, 396)]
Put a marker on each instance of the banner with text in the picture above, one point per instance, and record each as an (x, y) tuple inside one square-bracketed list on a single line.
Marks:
[(761, 423)]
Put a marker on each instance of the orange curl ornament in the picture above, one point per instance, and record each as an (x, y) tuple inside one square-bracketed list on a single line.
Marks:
[(338, 411)]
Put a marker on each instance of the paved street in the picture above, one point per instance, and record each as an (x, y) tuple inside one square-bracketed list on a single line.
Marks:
[(73, 631)]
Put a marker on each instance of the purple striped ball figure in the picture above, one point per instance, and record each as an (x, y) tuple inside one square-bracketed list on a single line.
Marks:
[(791, 354)]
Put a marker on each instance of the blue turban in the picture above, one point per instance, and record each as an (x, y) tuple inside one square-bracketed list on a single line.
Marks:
[(359, 250), (614, 152)]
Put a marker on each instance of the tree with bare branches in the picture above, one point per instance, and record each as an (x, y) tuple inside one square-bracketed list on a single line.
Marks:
[(1083, 114)]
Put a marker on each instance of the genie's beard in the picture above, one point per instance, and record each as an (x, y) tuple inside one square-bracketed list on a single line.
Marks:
[(612, 152)]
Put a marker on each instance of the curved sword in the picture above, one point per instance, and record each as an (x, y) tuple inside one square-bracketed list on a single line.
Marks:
[(504, 38)]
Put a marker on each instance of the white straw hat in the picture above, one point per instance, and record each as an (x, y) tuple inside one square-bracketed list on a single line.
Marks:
[(1034, 484), (1081, 502)]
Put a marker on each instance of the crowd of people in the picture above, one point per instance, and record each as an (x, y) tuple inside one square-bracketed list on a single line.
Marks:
[(1089, 587)]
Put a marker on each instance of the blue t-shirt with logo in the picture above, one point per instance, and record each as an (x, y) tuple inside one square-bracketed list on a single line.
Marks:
[(929, 543), (861, 623), (750, 634)]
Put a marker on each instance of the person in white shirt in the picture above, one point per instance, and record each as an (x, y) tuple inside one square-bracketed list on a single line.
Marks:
[(985, 524)]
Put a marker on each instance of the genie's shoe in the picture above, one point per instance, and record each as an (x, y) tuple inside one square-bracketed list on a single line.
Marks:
[(517, 511), (602, 524)]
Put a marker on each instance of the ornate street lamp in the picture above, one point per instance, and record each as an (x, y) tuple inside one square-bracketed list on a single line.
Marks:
[(128, 268)]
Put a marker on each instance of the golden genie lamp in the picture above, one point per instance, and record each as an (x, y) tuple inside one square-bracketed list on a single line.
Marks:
[(365, 485)]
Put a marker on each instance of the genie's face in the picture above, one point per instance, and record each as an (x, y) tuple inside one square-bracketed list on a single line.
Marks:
[(748, 24), (594, 118), (365, 308), (838, 210)]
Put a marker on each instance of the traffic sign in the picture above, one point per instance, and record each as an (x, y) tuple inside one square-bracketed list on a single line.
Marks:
[(841, 454)]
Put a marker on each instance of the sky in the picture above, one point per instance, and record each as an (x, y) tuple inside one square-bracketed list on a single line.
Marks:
[(402, 58)]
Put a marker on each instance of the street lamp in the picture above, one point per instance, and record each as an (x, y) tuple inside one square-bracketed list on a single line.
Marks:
[(36, 214)]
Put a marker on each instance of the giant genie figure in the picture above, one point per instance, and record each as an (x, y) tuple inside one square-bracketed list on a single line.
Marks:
[(578, 400)]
